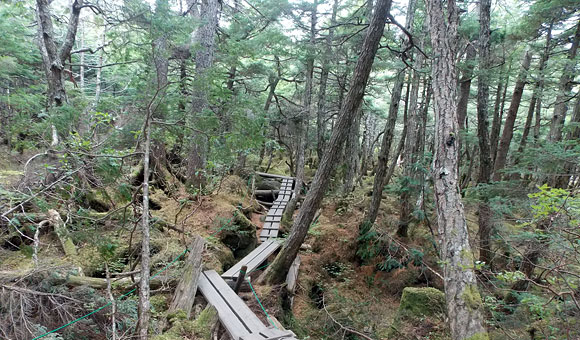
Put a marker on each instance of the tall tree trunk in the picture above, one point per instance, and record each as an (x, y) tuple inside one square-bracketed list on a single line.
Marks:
[(204, 40), (54, 58), (277, 271), (462, 297), (563, 181), (382, 163), (541, 81), (100, 69), (351, 155), (411, 166), (508, 129), (321, 107), (465, 85), (304, 118), (485, 166), (565, 87), (498, 112), (144, 303)]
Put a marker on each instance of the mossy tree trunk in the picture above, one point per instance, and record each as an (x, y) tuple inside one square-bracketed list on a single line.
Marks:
[(462, 297)]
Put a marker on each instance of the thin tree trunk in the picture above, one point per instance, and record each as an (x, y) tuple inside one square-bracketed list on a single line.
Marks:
[(498, 115), (351, 153), (485, 165), (565, 87), (508, 129), (304, 118), (381, 168), (541, 81), (563, 181), (411, 152), (462, 297), (465, 85), (321, 107), (144, 303), (277, 271)]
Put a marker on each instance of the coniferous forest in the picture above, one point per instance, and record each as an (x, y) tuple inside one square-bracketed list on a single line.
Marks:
[(289, 169)]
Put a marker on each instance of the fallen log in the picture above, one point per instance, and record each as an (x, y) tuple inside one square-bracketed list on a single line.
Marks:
[(187, 286)]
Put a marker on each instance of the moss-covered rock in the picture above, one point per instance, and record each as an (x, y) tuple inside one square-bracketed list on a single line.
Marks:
[(421, 315), (419, 302)]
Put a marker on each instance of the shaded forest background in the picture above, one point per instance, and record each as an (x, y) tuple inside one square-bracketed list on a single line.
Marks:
[(200, 95)]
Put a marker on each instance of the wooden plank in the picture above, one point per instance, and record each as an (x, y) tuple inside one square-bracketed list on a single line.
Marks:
[(241, 311), (235, 327), (274, 334), (269, 233), (267, 175), (253, 260), (273, 218)]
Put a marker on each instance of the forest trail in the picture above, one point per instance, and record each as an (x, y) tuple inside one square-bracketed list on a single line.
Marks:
[(238, 319)]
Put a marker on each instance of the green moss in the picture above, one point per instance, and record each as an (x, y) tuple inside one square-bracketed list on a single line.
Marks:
[(471, 297), (479, 336), (419, 302), (203, 324), (182, 328)]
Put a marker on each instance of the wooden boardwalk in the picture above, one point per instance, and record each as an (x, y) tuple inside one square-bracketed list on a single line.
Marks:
[(274, 216), (237, 318)]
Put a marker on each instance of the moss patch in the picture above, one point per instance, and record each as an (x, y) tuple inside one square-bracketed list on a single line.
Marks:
[(419, 302), (471, 297)]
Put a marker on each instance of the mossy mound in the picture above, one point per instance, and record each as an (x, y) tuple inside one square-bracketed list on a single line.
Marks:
[(182, 328), (421, 302), (421, 315)]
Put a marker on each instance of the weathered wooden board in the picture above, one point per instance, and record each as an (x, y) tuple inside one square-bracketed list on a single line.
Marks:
[(235, 326), (263, 174), (253, 260), (273, 218), (234, 314)]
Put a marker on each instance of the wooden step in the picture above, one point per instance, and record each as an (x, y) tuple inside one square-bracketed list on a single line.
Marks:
[(254, 259)]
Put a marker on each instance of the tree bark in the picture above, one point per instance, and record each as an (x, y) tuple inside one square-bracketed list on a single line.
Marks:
[(508, 129), (462, 297), (465, 85), (485, 165), (351, 155), (204, 41), (54, 58), (276, 273), (565, 87), (144, 303)]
